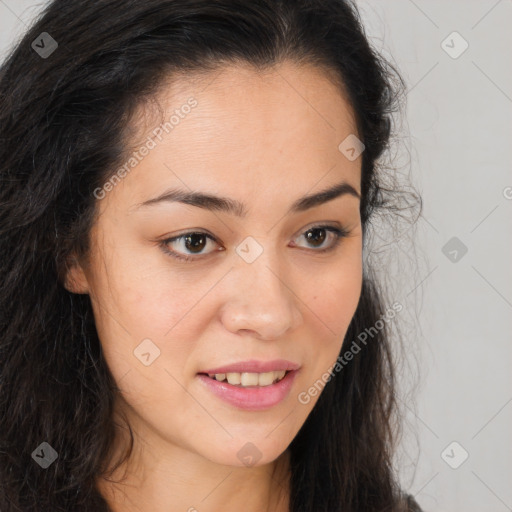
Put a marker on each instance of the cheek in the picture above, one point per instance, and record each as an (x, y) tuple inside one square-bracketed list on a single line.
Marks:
[(137, 290), (147, 340), (331, 307), (334, 297), (142, 308)]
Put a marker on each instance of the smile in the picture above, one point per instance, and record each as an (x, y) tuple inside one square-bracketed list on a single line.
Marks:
[(247, 393), (249, 379)]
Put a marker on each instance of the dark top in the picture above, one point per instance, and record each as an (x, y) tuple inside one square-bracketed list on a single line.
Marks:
[(412, 506)]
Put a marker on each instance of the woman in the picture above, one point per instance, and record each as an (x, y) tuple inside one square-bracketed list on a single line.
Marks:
[(188, 321)]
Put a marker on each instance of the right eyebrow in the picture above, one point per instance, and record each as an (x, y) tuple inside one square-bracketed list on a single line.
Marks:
[(235, 207)]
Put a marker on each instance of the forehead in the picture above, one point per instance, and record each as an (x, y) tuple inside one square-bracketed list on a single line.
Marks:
[(277, 96), (277, 129)]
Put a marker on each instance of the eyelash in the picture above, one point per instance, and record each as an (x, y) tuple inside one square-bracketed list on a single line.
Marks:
[(337, 232)]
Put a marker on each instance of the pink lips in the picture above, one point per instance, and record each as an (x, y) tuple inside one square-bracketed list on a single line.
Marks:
[(252, 398)]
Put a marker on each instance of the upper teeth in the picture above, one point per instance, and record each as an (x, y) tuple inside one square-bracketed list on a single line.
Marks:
[(250, 379)]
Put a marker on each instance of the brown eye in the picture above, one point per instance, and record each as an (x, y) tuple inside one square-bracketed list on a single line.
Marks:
[(316, 236), (192, 244), (195, 242)]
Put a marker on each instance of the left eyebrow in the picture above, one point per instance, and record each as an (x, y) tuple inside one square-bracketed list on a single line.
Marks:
[(234, 207)]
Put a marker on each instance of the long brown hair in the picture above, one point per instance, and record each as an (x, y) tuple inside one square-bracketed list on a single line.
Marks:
[(67, 90)]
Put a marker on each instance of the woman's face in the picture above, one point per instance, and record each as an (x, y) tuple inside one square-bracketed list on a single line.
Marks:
[(258, 287)]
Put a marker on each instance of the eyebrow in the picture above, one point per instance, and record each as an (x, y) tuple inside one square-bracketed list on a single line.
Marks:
[(234, 207)]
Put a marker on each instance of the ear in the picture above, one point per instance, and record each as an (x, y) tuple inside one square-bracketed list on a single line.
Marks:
[(74, 279)]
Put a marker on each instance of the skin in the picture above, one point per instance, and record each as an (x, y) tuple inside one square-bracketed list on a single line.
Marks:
[(266, 139)]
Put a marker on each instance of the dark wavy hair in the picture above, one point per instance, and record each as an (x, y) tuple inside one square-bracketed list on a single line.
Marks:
[(64, 123)]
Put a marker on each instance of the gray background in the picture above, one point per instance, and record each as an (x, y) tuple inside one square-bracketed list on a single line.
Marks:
[(455, 148)]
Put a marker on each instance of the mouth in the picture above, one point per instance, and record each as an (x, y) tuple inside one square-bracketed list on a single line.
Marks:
[(247, 379), (250, 391)]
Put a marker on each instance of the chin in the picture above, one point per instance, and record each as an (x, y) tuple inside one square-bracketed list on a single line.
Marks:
[(241, 452)]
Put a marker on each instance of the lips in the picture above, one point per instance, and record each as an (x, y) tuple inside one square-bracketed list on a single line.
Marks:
[(252, 398)]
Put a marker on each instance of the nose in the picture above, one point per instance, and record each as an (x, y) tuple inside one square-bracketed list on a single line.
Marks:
[(262, 302)]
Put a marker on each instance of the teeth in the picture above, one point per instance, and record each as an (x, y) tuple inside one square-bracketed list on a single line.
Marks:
[(250, 379), (234, 378), (263, 379)]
